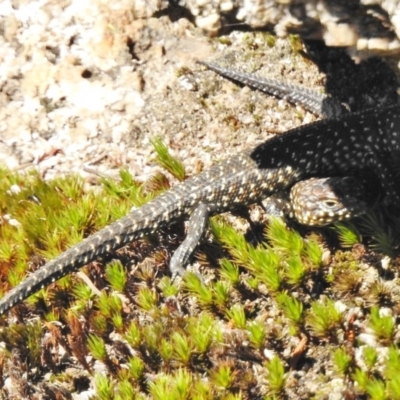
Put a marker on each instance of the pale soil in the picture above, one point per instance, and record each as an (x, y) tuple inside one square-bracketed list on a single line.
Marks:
[(90, 83)]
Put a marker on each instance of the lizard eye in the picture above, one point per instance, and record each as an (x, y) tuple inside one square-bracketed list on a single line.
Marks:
[(330, 203)]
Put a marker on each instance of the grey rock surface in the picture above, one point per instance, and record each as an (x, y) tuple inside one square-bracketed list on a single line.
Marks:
[(89, 84)]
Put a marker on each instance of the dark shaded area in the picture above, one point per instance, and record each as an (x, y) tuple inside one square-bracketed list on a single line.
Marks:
[(368, 84), (86, 74), (131, 48), (72, 40), (175, 12), (368, 20)]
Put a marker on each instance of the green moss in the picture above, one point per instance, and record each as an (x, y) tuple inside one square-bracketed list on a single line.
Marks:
[(97, 347), (257, 334), (182, 348), (348, 234), (292, 308), (166, 161), (270, 39), (296, 43), (343, 361), (201, 330), (147, 299), (104, 387), (222, 377), (192, 338), (324, 319), (237, 315), (276, 376), (382, 326)]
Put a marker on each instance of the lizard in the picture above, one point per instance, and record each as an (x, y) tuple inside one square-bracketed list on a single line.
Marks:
[(319, 104), (336, 146), (312, 202)]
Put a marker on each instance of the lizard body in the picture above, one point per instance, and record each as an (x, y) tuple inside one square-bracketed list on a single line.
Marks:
[(337, 146)]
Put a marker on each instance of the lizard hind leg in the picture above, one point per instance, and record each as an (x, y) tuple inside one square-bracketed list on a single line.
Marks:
[(197, 226)]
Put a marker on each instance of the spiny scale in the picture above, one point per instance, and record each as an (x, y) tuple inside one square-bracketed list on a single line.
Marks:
[(324, 148)]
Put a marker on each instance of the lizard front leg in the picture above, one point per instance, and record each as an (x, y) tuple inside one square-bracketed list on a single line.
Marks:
[(197, 225)]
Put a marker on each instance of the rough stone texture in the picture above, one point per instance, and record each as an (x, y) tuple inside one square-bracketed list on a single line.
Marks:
[(89, 83), (364, 26)]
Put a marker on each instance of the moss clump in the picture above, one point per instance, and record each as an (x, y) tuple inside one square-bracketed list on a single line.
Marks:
[(239, 331)]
